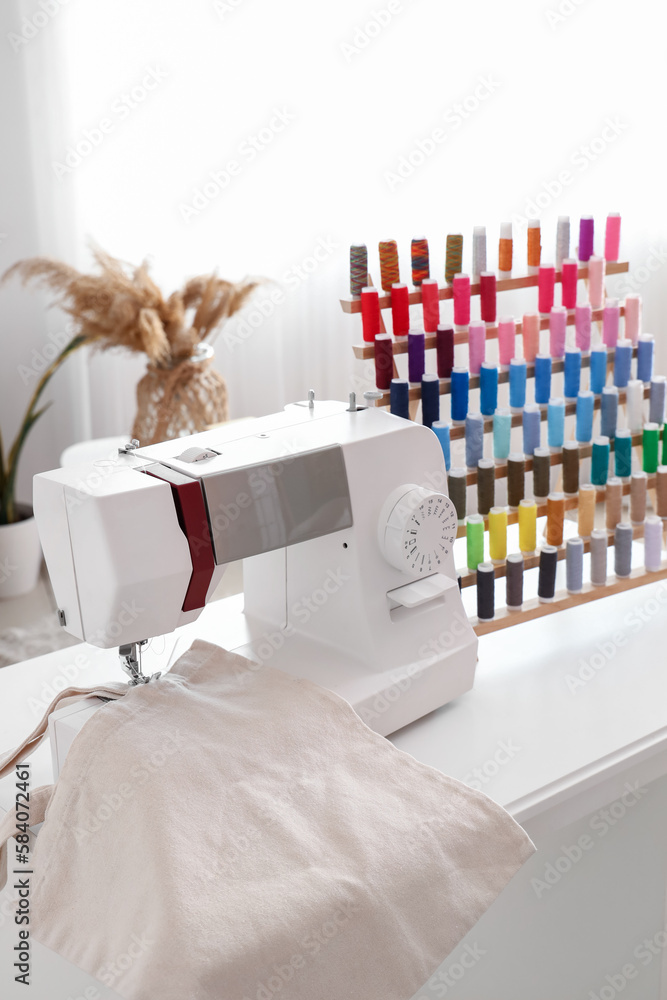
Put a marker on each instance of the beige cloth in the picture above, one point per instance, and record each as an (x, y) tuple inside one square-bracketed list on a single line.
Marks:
[(231, 833)]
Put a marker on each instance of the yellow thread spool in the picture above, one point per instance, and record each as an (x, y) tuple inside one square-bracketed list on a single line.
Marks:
[(586, 520), (498, 534), (527, 525)]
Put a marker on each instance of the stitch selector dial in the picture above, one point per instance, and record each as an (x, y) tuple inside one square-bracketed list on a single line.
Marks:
[(417, 530)]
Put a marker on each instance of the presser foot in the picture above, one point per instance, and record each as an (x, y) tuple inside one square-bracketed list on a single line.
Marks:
[(130, 660)]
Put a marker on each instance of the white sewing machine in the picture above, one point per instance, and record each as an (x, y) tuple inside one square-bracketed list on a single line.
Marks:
[(341, 517)]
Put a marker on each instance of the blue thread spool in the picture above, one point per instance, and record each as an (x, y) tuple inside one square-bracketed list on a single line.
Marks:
[(488, 386), (517, 383), (609, 411), (556, 422), (459, 387), (598, 368), (399, 398), (430, 399), (622, 363), (572, 372), (645, 347), (474, 439), (585, 407), (441, 429), (623, 453), (600, 461), (502, 429), (542, 379), (531, 428)]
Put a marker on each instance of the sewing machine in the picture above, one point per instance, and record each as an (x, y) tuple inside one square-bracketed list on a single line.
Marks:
[(341, 517)]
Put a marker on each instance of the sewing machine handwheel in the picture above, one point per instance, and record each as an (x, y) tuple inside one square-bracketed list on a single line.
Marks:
[(417, 530)]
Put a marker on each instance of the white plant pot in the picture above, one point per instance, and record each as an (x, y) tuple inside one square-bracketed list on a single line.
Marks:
[(20, 555)]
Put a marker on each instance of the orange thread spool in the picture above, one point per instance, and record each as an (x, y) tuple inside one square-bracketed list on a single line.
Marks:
[(534, 245)]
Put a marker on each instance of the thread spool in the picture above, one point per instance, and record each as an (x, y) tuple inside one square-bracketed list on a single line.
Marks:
[(556, 422), (530, 334), (441, 429), (531, 428), (430, 304), (497, 534), (661, 491), (517, 383), (612, 236), (586, 510), (638, 483), (459, 393), (562, 239), (384, 360), (370, 313), (399, 397), (505, 250), (486, 581), (461, 296), (474, 439), (453, 256), (622, 363), (487, 296), (478, 251), (488, 388), (586, 237), (609, 411), (610, 322), (585, 408), (569, 280), (486, 485), (457, 489), (653, 543), (623, 453), (358, 268), (555, 518), (596, 273), (534, 246), (634, 405), (599, 558), (600, 461), (430, 399), (420, 260), (527, 526), (645, 347), (416, 356), (623, 550), (582, 326), (557, 331), (502, 428), (389, 273), (444, 344), (633, 316), (514, 581), (650, 447), (543, 366), (546, 282), (574, 565), (664, 445), (516, 478), (506, 340), (570, 468), (474, 540), (613, 502), (572, 371), (598, 369), (476, 345), (541, 473), (656, 405), (546, 580), (400, 310)]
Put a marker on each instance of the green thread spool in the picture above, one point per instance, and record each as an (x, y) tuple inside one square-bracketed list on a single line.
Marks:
[(454, 257), (600, 461), (650, 442), (475, 540), (664, 444)]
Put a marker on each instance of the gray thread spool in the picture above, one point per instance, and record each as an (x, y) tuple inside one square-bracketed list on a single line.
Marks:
[(656, 404), (574, 565), (653, 543), (623, 549), (457, 487), (599, 557), (514, 581), (486, 580), (541, 472)]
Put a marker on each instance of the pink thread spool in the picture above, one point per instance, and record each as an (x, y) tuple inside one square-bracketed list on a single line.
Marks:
[(476, 345), (610, 322), (506, 340), (582, 326), (633, 316), (596, 270), (487, 296), (612, 236), (546, 281), (530, 332), (370, 313), (461, 293), (569, 279), (400, 309), (557, 331), (430, 304)]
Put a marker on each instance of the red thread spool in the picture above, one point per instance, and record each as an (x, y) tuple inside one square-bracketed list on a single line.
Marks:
[(546, 282), (370, 313), (569, 279), (461, 294), (400, 310), (384, 361), (487, 296), (430, 304), (444, 344)]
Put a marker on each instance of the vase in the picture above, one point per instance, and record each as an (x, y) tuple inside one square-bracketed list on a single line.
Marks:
[(20, 554), (182, 398)]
